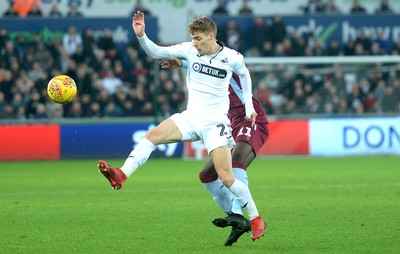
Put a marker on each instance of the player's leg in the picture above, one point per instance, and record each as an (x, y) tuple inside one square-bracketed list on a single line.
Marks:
[(166, 132), (242, 156), (221, 158), (221, 195), (249, 139)]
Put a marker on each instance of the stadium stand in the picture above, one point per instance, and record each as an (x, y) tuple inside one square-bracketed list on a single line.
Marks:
[(120, 82)]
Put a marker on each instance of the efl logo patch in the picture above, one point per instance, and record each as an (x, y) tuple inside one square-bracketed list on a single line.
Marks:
[(209, 70)]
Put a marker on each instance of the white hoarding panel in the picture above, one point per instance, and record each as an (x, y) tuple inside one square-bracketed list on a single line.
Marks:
[(367, 136)]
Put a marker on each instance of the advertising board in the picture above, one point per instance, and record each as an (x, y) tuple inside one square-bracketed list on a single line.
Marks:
[(370, 136)]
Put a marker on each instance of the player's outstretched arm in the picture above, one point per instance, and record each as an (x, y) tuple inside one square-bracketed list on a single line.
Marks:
[(138, 24), (171, 63)]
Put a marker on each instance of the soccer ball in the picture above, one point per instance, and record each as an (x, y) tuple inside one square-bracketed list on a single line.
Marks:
[(61, 89)]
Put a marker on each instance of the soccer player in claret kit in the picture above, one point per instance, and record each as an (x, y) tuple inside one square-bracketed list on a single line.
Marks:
[(210, 69), (249, 139)]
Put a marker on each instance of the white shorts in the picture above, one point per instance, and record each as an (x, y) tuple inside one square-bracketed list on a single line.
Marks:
[(214, 130)]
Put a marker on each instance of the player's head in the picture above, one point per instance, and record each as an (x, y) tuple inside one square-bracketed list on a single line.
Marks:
[(203, 25), (203, 32)]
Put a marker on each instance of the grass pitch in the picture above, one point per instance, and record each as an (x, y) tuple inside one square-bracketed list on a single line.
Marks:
[(311, 205)]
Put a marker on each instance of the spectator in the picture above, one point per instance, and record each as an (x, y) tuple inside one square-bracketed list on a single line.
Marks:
[(112, 110), (56, 48), (349, 48), (21, 45), (44, 57), (332, 9), (267, 49), (7, 112), (33, 102), (55, 12), (36, 71), (376, 50), (258, 33), (3, 103), (384, 8), (383, 43), (35, 42), (319, 48), (83, 80), (395, 48), (232, 35), (129, 58), (73, 12), (79, 56), (298, 44), (23, 83), (364, 41), (54, 110), (89, 43), (11, 12), (4, 37), (140, 7), (355, 100), (106, 41), (35, 12), (389, 101), (71, 40), (370, 104), (357, 8), (220, 9), (111, 82), (314, 7), (334, 48), (245, 10), (75, 111), (359, 50), (40, 112), (23, 7), (9, 51), (120, 72), (95, 110), (277, 30)]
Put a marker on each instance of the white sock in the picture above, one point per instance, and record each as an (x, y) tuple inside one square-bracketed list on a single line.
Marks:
[(138, 156), (241, 175), (243, 196), (220, 194)]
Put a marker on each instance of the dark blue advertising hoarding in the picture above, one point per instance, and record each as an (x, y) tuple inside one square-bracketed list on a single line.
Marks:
[(341, 28), (114, 140)]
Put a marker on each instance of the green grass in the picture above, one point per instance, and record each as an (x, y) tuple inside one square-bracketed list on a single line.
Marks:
[(311, 205)]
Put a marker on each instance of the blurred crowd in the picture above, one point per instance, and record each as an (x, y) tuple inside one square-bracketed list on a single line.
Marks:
[(111, 82), (118, 81)]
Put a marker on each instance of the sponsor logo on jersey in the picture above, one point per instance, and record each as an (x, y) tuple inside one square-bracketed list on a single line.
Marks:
[(209, 70)]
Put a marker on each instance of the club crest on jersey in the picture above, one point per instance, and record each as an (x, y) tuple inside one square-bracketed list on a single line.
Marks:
[(209, 70)]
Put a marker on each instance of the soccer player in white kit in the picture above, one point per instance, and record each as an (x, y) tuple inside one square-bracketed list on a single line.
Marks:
[(210, 69)]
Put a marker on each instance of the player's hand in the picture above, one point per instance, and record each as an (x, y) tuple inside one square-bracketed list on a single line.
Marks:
[(170, 63), (138, 23), (253, 119)]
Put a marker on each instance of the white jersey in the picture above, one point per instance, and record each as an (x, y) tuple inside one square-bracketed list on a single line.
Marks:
[(208, 75)]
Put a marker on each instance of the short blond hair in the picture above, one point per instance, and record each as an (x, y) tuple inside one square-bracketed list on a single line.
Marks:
[(202, 25)]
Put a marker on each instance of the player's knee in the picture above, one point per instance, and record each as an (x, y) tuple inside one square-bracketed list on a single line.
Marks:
[(227, 180), (207, 178), (239, 164), (152, 136)]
